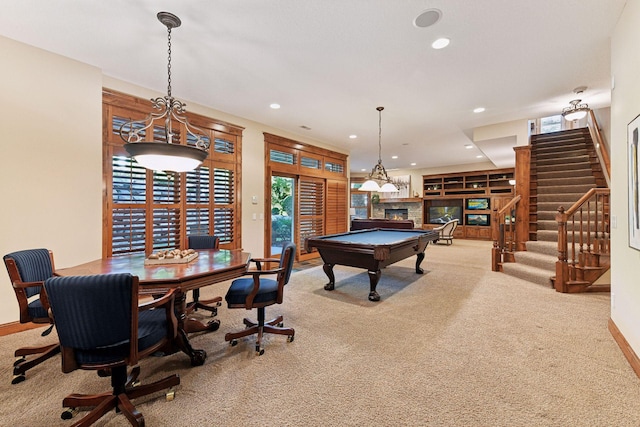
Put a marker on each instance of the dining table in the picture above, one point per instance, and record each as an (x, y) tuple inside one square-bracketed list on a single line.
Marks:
[(210, 266)]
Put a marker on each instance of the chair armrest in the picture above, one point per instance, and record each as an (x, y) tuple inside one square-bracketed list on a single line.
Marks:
[(439, 228), (167, 298), (260, 261), (24, 285), (256, 282)]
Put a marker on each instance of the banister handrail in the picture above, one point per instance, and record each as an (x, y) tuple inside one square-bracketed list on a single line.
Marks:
[(584, 199), (600, 143), (509, 205)]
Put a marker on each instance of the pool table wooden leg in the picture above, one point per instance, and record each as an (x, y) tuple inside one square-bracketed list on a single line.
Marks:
[(328, 270), (374, 278), (418, 261)]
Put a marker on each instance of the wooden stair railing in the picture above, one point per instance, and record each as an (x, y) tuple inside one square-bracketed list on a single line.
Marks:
[(600, 146), (583, 243), (504, 233)]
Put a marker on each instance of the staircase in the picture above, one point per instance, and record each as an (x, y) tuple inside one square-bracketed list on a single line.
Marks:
[(563, 168)]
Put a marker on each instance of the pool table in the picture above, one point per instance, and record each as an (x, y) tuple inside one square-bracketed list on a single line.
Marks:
[(372, 249)]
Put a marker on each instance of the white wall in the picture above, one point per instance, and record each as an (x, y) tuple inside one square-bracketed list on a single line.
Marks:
[(625, 106), (50, 159)]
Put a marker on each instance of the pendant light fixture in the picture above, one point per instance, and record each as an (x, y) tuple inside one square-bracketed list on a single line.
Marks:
[(576, 111), (159, 147), (378, 180)]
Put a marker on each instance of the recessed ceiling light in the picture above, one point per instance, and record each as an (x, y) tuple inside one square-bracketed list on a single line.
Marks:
[(413, 164), (363, 170), (353, 136), (275, 106), (440, 43), (427, 18), (478, 110), (468, 146), (479, 156), (394, 157)]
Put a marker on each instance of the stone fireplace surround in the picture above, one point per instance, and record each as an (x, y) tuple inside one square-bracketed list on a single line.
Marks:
[(414, 209)]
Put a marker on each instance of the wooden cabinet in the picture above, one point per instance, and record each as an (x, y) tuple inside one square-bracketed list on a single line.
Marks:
[(468, 183), (470, 197)]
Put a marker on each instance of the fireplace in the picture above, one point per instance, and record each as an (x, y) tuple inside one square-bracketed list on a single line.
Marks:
[(396, 214)]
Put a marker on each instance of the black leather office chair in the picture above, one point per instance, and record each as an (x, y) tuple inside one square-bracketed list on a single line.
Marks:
[(101, 327), (28, 270), (203, 242), (259, 292)]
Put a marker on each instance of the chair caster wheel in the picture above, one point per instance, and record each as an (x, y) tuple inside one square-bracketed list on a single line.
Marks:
[(18, 379), (171, 394), (259, 350), (280, 325), (290, 338), (68, 413), (19, 360), (233, 343), (214, 312)]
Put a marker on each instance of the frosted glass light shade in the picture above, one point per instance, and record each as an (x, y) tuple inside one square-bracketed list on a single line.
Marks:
[(388, 188), (370, 185), (162, 156)]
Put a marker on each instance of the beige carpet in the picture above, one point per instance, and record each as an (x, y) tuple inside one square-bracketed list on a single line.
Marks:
[(458, 346)]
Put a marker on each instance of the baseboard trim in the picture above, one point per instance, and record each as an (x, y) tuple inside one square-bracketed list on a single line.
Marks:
[(628, 352), (15, 327)]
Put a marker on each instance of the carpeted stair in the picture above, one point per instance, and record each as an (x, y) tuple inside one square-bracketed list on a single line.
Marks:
[(562, 174)]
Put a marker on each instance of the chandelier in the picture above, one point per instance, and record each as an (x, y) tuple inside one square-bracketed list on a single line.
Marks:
[(378, 180), (160, 148), (576, 111)]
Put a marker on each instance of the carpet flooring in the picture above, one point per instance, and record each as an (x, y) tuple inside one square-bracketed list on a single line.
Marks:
[(457, 346)]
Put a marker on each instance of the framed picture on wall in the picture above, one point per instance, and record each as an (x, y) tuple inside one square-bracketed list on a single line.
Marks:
[(634, 189)]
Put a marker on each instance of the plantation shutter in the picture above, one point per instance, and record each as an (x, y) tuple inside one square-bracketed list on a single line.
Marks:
[(336, 207), (310, 209), (223, 196), (198, 212), (128, 213), (166, 210)]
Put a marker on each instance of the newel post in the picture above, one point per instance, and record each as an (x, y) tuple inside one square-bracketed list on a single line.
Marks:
[(562, 267), (523, 189)]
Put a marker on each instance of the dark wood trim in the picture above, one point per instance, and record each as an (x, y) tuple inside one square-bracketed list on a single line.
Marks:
[(403, 200), (297, 145), (628, 352), (15, 327)]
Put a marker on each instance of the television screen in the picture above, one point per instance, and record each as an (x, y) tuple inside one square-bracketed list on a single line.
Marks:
[(477, 219), (477, 204), (444, 214)]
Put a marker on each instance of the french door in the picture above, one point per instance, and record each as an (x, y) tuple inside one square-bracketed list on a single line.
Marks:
[(297, 212)]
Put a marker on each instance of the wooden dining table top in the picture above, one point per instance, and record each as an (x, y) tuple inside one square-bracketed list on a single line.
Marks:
[(211, 266)]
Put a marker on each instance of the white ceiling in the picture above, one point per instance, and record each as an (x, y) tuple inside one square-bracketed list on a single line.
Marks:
[(330, 63)]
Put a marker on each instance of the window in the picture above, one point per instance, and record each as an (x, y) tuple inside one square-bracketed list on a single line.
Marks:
[(551, 124), (359, 201), (150, 210)]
